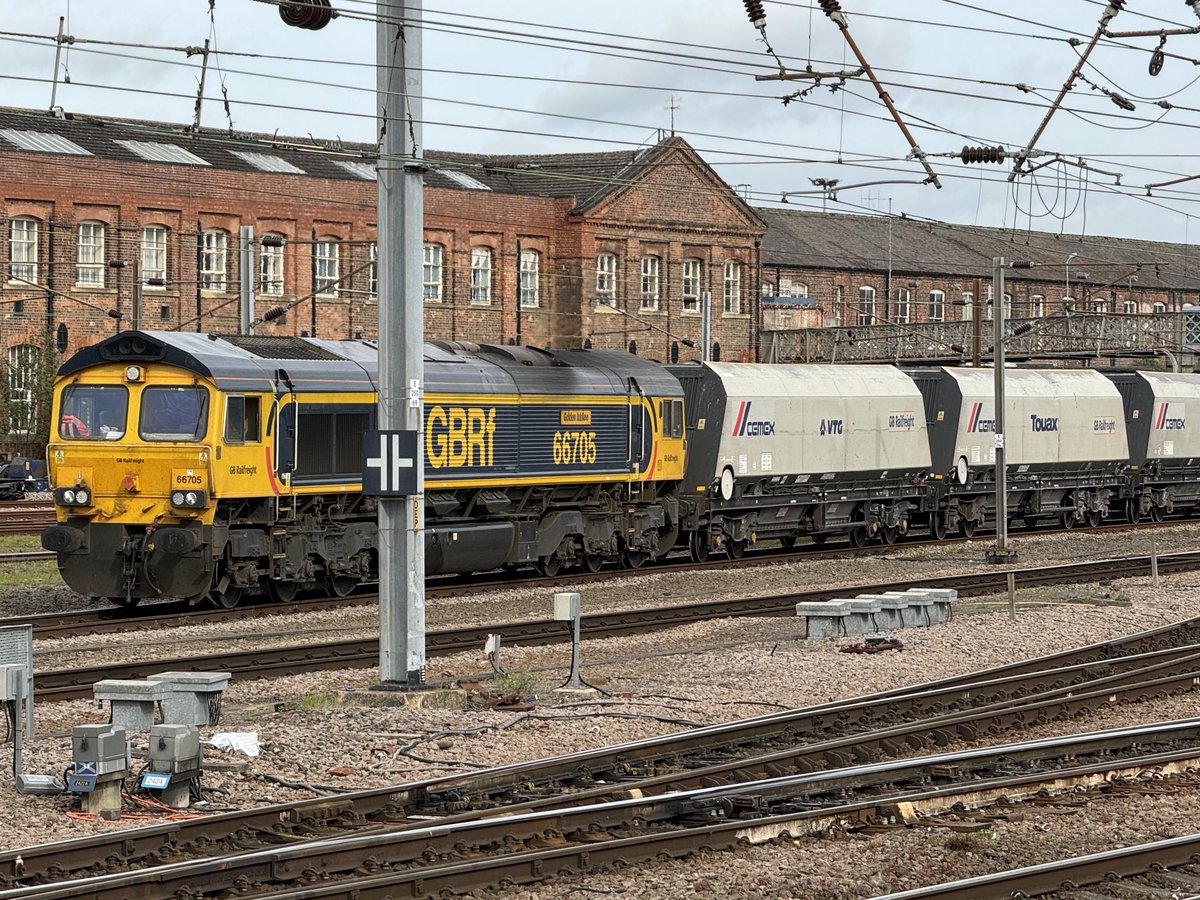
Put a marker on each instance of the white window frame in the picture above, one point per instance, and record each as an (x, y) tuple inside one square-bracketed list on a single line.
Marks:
[(214, 260), (1068, 304), (733, 287), (1160, 308), (23, 250), (937, 306), (651, 269), (839, 303), (23, 362), (481, 276), (89, 254), (1130, 307), (327, 267), (903, 305), (270, 266), (153, 249), (606, 279), (692, 279), (432, 270), (373, 270), (1037, 306), (528, 282), (968, 300), (1099, 305), (866, 305)]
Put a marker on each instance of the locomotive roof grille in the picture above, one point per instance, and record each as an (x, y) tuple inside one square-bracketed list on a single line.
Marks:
[(269, 347)]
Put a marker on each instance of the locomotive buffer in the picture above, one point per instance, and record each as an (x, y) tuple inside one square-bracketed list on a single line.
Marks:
[(393, 473)]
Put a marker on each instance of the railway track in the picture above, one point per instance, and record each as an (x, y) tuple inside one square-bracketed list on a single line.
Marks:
[(753, 780), (66, 684), (25, 516)]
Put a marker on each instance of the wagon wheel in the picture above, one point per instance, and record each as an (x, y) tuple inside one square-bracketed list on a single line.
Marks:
[(1092, 517), (635, 559), (888, 534), (857, 536), (228, 598), (937, 526), (735, 549), (592, 562), (1157, 513), (698, 546), (1133, 510), (966, 528), (819, 538), (1068, 519), (788, 541), (549, 565), (341, 585), (283, 591)]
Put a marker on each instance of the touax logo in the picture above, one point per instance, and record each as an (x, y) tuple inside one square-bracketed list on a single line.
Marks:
[(1166, 422), (457, 436), (1043, 423), (743, 425), (831, 426), (975, 423)]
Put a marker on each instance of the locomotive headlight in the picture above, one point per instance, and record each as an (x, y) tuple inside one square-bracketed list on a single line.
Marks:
[(82, 496), (190, 498), (178, 498), (133, 373), (68, 497)]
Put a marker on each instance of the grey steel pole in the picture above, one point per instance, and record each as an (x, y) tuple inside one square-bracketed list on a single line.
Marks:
[(998, 364), (706, 325), (401, 336), (246, 279)]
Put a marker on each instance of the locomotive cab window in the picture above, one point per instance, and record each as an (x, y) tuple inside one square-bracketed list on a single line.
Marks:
[(242, 420), (173, 414), (93, 412), (676, 418)]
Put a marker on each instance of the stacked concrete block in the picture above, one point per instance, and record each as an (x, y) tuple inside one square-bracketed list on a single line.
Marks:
[(943, 603), (824, 620), (863, 611), (134, 701), (195, 697), (891, 609)]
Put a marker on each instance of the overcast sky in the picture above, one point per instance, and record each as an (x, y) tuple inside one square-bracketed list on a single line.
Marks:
[(565, 76)]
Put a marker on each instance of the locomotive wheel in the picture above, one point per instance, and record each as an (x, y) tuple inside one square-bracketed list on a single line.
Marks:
[(698, 545), (341, 585), (549, 565), (635, 559), (283, 591), (966, 527), (1157, 513), (937, 526), (592, 562), (735, 549), (1133, 510)]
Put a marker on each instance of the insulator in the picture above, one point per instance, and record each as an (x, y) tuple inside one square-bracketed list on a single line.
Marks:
[(275, 312), (983, 155), (829, 7), (758, 16), (310, 14)]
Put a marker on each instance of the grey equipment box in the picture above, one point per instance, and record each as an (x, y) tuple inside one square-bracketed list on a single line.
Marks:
[(133, 700), (195, 697), (174, 749), (101, 746)]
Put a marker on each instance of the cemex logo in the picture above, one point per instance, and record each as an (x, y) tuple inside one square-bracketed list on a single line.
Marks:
[(743, 425), (1168, 423), (977, 424)]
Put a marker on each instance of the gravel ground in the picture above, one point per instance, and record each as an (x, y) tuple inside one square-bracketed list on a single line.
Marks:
[(317, 736)]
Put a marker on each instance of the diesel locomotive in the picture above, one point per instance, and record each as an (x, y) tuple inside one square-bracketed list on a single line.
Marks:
[(209, 468)]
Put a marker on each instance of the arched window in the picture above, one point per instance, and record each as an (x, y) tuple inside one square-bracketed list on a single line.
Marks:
[(693, 276), (866, 305), (481, 276), (270, 265), (23, 362), (1160, 307), (432, 273), (1099, 304), (1037, 306), (214, 259), (89, 255), (531, 264), (23, 249), (650, 271), (1130, 307), (733, 287)]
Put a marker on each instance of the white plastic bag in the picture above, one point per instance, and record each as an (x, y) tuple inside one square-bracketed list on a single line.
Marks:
[(244, 742)]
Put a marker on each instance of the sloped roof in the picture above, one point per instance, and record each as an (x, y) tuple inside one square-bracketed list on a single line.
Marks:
[(583, 176), (818, 240)]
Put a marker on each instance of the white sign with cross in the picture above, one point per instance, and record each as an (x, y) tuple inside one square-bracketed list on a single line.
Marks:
[(393, 472)]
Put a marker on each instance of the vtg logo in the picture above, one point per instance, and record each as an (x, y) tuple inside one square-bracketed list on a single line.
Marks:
[(1168, 423), (831, 426), (743, 425), (1043, 423)]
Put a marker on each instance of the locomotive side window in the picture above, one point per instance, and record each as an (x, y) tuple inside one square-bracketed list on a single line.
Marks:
[(242, 420), (93, 412), (676, 418), (173, 414)]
